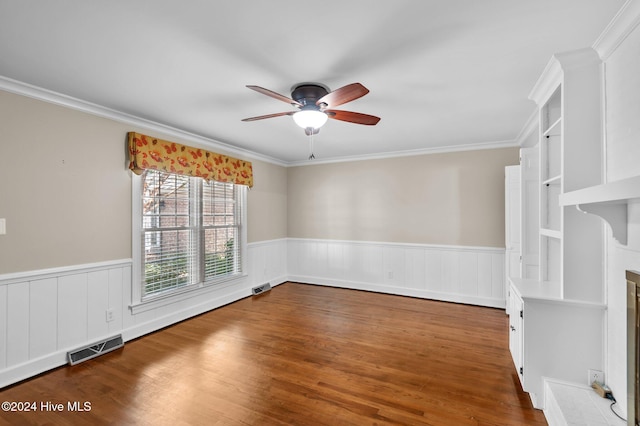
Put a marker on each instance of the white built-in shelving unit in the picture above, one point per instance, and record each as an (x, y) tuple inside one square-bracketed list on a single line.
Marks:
[(551, 182), (556, 317)]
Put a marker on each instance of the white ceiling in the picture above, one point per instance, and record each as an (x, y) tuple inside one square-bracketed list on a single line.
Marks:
[(440, 73)]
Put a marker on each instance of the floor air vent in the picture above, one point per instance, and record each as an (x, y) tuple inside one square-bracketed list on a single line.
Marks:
[(92, 351), (261, 289)]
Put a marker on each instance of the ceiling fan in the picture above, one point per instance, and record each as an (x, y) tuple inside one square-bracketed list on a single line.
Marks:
[(315, 105)]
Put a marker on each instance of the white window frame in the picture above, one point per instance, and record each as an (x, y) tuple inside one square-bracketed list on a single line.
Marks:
[(140, 303)]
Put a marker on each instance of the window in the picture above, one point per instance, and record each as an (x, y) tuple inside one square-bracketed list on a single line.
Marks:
[(192, 232)]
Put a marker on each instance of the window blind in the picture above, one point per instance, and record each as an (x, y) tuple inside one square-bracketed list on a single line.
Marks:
[(221, 217), (191, 231)]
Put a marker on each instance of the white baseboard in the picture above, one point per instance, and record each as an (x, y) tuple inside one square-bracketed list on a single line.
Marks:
[(470, 275), (401, 291), (191, 311)]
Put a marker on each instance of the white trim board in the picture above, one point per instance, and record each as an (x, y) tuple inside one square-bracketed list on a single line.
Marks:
[(41, 274), (409, 153), (620, 27), (461, 274)]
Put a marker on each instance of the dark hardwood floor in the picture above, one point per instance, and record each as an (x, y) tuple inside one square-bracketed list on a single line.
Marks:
[(299, 355)]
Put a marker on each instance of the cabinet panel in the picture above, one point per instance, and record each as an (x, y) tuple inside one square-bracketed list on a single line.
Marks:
[(512, 204), (549, 339), (552, 266), (550, 215), (512, 207), (530, 210), (552, 112), (513, 263), (553, 165), (515, 332)]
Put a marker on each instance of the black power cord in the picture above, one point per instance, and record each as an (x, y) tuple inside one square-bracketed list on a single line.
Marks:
[(614, 402)]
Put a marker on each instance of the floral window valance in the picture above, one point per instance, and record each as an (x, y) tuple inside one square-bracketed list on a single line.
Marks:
[(146, 152)]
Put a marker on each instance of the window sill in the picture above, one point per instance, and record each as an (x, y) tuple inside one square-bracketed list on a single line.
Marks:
[(184, 293)]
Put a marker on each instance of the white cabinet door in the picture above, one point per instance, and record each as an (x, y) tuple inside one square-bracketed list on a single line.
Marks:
[(515, 332), (512, 220), (512, 207), (512, 226), (530, 190)]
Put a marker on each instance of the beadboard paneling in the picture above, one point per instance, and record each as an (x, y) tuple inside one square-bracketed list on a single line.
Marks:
[(73, 311), (473, 275), (50, 312), (17, 310), (43, 318), (119, 279)]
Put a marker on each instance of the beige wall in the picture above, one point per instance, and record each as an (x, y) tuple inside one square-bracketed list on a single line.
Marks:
[(453, 198), (65, 189), (66, 193), (267, 203)]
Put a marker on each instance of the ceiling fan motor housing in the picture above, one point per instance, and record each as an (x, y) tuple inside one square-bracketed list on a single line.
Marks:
[(308, 95)]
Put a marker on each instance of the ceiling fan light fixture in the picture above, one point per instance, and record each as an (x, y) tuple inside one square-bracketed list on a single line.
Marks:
[(310, 118)]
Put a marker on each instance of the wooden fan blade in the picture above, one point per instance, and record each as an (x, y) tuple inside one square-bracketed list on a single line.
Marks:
[(343, 95), (274, 95), (353, 117), (262, 117)]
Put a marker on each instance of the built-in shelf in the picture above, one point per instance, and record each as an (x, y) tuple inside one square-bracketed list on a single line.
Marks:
[(548, 292), (552, 233), (613, 192), (609, 201), (555, 180), (554, 126), (534, 289)]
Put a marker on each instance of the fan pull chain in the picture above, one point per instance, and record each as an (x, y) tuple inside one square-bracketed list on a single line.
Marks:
[(311, 156)]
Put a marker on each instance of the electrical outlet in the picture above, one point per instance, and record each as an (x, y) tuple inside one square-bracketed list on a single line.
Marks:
[(596, 376), (390, 275), (109, 315)]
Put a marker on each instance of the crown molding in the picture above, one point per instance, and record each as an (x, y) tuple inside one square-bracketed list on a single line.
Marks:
[(409, 153), (560, 63), (529, 127), (547, 82), (626, 20), (35, 92)]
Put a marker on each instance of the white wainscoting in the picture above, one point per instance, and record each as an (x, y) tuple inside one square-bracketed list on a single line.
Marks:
[(472, 275), (46, 313)]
